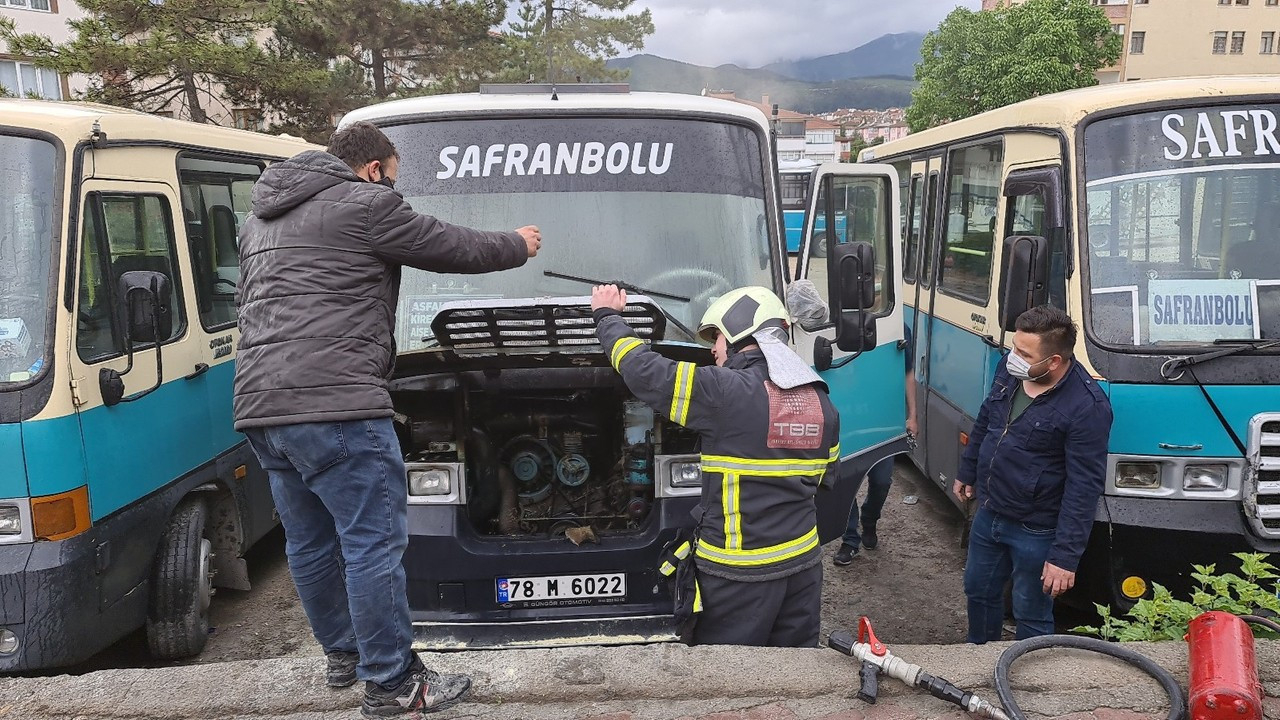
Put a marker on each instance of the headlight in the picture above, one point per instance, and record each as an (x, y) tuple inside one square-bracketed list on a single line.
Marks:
[(433, 481), (1205, 477), (1138, 476), (8, 642), (685, 475), (10, 520)]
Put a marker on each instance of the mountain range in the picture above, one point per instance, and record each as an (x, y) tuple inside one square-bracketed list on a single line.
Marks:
[(874, 76)]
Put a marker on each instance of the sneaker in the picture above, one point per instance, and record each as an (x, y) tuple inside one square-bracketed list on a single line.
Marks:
[(422, 691), (342, 668), (844, 556), (869, 538)]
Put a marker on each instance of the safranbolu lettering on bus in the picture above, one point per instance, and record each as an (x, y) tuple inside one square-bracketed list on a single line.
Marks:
[(579, 158), (1209, 309)]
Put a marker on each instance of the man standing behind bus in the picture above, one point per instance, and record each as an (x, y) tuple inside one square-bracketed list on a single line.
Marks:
[(1037, 457), (320, 277)]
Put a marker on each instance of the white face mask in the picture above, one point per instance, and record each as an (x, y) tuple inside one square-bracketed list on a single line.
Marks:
[(1021, 369)]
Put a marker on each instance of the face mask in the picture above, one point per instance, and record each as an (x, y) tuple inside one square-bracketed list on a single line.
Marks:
[(387, 182), (1021, 369)]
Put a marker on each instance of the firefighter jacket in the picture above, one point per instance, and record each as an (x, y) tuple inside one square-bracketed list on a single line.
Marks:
[(765, 452)]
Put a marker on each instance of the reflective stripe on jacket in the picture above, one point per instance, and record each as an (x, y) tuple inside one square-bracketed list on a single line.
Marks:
[(765, 451)]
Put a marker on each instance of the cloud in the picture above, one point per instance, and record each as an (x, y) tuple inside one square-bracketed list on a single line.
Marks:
[(757, 32)]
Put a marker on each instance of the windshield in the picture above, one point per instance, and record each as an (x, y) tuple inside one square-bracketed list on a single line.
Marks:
[(27, 168), (1184, 226), (673, 206)]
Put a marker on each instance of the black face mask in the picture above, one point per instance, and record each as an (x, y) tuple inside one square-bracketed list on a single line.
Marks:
[(387, 182)]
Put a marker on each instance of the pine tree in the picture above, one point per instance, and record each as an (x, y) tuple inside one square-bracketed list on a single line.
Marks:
[(583, 35)]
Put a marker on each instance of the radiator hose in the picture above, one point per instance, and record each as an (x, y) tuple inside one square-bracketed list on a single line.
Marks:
[(1177, 698)]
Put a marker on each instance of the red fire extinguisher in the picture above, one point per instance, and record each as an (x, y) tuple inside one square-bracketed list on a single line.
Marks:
[(1224, 669)]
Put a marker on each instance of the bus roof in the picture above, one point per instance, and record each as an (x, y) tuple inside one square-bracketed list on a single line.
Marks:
[(73, 121), (1065, 109), (479, 103)]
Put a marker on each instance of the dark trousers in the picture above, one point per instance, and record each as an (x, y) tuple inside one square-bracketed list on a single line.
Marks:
[(1001, 549), (774, 613), (879, 480), (340, 490)]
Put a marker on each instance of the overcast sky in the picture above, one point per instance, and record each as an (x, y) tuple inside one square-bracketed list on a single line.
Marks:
[(752, 33)]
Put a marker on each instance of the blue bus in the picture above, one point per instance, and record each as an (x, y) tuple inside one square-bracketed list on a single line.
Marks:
[(1150, 212), (126, 496)]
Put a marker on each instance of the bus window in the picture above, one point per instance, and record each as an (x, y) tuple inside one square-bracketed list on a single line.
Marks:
[(859, 207), (911, 233), (1027, 213), (121, 233), (973, 191), (930, 230), (215, 201)]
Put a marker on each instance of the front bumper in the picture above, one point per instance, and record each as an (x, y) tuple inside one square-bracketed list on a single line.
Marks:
[(452, 577)]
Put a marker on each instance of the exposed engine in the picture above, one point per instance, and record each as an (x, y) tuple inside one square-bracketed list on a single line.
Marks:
[(546, 452)]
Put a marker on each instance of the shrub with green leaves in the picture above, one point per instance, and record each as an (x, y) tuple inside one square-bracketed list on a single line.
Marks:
[(1164, 617)]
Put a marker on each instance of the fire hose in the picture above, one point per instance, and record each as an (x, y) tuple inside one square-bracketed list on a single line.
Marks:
[(1223, 668)]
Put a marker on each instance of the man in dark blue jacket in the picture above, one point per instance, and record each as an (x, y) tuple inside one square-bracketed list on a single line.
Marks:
[(1037, 458)]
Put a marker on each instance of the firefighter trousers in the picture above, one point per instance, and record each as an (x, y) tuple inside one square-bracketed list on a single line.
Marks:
[(773, 613)]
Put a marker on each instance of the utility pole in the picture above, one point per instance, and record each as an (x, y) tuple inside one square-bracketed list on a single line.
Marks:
[(551, 11)]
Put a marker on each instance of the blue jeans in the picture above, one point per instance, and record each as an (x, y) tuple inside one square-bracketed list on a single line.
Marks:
[(879, 478), (1000, 549), (341, 493)]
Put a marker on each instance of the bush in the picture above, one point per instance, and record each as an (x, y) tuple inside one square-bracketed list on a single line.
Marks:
[(1163, 617)]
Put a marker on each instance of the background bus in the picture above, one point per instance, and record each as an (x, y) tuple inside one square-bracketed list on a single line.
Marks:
[(796, 179), (126, 494), (1153, 207)]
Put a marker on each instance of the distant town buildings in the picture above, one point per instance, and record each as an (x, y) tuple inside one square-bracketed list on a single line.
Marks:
[(827, 138)]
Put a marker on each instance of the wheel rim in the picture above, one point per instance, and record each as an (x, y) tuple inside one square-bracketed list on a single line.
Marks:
[(205, 575)]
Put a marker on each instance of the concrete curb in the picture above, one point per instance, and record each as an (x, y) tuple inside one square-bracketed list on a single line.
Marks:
[(1052, 682)]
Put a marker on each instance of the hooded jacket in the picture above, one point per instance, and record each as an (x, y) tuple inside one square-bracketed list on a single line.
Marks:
[(320, 259)]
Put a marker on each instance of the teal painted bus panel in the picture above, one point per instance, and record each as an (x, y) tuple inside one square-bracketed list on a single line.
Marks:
[(870, 394), (134, 449), (1178, 415), (961, 366), (55, 455), (219, 380), (13, 476)]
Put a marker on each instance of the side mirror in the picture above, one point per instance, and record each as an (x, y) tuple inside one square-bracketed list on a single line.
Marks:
[(147, 318), (1024, 279), (853, 286), (853, 276)]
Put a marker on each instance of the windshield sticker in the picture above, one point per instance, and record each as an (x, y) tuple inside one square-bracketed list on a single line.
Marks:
[(417, 312), (1202, 310), (15, 341), (1191, 138)]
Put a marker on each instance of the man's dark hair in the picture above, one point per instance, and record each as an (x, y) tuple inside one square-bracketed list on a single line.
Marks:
[(1056, 330), (361, 143)]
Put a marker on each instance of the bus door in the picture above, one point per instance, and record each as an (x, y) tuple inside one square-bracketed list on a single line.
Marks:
[(857, 350), (922, 325), (144, 414)]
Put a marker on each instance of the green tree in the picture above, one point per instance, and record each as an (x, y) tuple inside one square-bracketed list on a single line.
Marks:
[(380, 49), (978, 61), (150, 55), (581, 37)]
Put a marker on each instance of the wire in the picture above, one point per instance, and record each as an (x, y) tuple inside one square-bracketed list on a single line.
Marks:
[(1264, 622), (1177, 698)]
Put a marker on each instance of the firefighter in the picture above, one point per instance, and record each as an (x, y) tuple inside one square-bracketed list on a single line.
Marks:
[(770, 438)]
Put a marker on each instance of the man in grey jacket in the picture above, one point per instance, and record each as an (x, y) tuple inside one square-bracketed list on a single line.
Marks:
[(320, 261)]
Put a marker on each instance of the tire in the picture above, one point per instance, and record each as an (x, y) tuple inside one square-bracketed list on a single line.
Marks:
[(181, 586)]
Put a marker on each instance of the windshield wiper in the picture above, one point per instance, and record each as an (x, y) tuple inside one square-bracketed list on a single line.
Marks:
[(633, 289), (1173, 369)]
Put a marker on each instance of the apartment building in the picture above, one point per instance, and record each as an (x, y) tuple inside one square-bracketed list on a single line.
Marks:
[(800, 136), (46, 17), (1181, 38)]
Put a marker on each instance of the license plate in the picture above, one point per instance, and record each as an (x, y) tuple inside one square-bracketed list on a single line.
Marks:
[(563, 589)]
